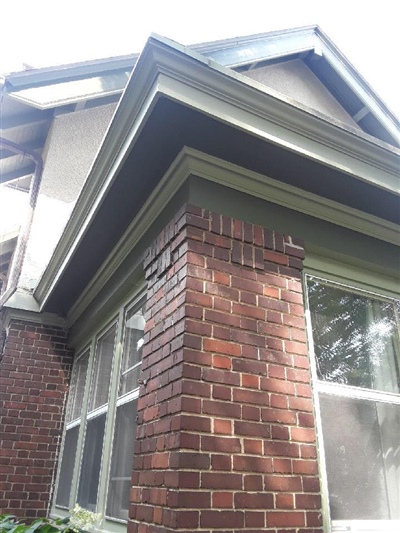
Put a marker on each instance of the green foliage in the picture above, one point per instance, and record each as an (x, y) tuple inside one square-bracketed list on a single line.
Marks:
[(9, 524), (79, 521)]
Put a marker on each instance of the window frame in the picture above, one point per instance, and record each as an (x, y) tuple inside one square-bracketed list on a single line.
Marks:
[(348, 391), (118, 317)]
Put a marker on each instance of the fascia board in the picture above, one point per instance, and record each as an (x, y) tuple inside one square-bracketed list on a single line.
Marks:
[(128, 120), (166, 68), (22, 301), (279, 44), (59, 103), (190, 162), (270, 37), (59, 73), (342, 269), (358, 85), (250, 106), (261, 48), (31, 315)]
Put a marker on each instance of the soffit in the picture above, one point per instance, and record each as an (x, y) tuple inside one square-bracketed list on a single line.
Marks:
[(23, 126), (142, 171), (177, 98), (29, 98)]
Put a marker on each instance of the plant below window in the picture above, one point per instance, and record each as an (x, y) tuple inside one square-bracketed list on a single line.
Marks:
[(79, 521)]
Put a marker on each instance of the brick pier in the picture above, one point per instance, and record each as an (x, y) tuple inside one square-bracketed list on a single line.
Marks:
[(226, 436)]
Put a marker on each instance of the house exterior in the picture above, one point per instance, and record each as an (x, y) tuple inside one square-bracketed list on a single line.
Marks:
[(201, 316)]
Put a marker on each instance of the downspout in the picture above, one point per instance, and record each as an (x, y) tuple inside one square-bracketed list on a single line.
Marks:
[(19, 252)]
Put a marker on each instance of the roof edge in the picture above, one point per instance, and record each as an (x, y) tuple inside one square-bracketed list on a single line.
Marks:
[(166, 69)]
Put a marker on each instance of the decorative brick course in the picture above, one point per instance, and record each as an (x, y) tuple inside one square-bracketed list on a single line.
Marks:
[(34, 377), (226, 436)]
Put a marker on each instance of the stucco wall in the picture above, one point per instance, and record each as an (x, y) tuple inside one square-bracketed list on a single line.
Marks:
[(295, 80), (71, 146)]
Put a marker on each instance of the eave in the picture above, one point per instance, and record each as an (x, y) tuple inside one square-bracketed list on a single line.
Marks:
[(322, 56), (168, 71)]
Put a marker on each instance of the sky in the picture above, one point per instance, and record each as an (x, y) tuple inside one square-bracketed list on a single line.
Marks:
[(42, 33)]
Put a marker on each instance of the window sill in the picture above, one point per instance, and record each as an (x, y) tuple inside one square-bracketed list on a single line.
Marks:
[(366, 526)]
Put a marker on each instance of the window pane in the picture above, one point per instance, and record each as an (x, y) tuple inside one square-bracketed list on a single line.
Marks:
[(91, 463), (102, 371), (121, 461), (78, 387), (355, 338), (132, 354), (362, 448), (67, 466)]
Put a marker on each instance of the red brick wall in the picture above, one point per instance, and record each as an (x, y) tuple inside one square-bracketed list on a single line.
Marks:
[(34, 376), (226, 437)]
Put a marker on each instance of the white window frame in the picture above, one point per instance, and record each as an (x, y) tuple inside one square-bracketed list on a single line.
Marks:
[(351, 526), (109, 524)]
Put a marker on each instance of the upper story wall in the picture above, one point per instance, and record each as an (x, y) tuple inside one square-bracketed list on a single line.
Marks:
[(296, 81), (70, 149)]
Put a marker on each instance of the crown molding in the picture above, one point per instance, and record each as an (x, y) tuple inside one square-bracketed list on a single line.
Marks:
[(191, 162), (169, 70)]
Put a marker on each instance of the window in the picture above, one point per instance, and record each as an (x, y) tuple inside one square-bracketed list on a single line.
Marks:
[(355, 340), (97, 455)]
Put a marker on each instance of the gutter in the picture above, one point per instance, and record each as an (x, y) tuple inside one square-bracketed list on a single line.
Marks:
[(19, 253)]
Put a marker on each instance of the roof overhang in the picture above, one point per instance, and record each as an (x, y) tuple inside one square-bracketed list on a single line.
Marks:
[(321, 55), (178, 98)]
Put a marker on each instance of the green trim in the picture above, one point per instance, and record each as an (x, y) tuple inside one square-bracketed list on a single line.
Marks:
[(170, 70), (352, 275), (47, 319), (89, 342), (193, 164)]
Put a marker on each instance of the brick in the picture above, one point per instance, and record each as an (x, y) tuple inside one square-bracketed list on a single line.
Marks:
[(285, 519), (284, 501), (305, 467), (221, 462), (198, 499), (221, 480), (303, 434), (34, 373), (215, 519), (245, 500), (220, 444), (218, 346), (308, 501), (251, 429), (253, 482), (223, 500), (229, 383), (252, 464), (253, 446)]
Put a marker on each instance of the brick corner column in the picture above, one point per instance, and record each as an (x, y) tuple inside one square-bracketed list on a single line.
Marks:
[(34, 376), (226, 435)]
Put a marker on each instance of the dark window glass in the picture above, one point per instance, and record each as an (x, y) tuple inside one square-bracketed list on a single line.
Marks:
[(121, 461), (132, 354), (356, 343), (67, 466), (91, 463), (362, 447)]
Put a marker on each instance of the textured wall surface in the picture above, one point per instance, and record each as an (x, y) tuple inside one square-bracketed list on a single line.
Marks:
[(295, 80), (34, 377), (226, 434), (71, 146)]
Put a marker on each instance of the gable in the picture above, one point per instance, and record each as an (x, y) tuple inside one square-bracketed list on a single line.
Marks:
[(296, 81), (311, 47)]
